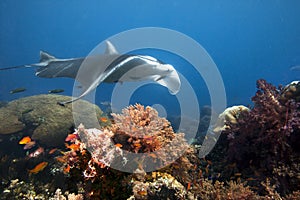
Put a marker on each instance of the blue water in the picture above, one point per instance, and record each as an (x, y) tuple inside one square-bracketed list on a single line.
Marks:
[(247, 40)]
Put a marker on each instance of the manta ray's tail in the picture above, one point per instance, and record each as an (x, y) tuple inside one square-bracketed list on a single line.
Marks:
[(44, 57), (63, 103), (15, 67)]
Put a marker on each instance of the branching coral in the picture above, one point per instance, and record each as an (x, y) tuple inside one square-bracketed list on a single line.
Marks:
[(265, 140)]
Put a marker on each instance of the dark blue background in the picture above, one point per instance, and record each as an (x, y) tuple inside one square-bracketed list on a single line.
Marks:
[(247, 40)]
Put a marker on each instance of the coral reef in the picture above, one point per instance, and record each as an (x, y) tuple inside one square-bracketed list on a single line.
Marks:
[(21, 190), (188, 177), (3, 103), (264, 143), (42, 117), (256, 157), (163, 186), (137, 130), (59, 196)]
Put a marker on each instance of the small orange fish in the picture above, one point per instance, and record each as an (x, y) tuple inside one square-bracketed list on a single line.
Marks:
[(103, 119), (188, 186), (237, 174), (61, 159), (118, 145), (142, 192), (148, 137), (209, 162), (100, 164), (39, 167), (71, 137), (52, 151), (25, 140), (67, 169), (233, 165), (133, 129), (201, 183), (153, 155), (138, 145), (175, 165), (83, 152), (206, 169), (74, 147), (200, 173)]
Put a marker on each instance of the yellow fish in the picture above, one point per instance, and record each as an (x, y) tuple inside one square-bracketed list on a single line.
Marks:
[(39, 167)]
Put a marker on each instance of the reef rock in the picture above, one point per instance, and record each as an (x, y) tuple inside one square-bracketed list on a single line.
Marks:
[(290, 91), (229, 115), (165, 186), (47, 122)]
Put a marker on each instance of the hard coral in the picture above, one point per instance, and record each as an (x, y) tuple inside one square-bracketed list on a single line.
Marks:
[(265, 140)]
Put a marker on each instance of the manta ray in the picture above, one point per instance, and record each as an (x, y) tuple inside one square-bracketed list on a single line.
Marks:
[(110, 67)]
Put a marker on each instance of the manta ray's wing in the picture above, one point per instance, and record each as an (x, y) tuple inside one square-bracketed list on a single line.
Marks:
[(170, 81), (51, 67), (91, 75), (140, 68)]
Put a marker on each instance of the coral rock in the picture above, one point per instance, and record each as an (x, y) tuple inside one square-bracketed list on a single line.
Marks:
[(229, 115), (41, 116)]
